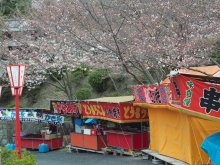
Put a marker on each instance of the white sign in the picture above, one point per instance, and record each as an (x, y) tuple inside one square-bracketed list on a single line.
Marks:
[(32, 116)]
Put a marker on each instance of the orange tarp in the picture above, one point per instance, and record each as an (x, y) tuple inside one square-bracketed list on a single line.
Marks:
[(207, 69), (179, 135)]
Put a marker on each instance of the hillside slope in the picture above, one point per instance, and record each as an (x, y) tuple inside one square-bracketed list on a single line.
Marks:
[(49, 92)]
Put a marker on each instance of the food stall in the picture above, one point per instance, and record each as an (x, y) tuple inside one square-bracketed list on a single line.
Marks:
[(69, 109), (88, 136), (98, 135), (118, 110), (30, 140), (182, 113)]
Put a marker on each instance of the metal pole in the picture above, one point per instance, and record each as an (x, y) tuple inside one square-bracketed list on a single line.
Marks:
[(18, 138)]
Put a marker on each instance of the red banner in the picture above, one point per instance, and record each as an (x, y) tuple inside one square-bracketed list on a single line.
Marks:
[(121, 113), (157, 95), (65, 108), (201, 97)]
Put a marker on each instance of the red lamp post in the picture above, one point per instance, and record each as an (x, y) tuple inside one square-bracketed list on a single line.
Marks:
[(16, 77)]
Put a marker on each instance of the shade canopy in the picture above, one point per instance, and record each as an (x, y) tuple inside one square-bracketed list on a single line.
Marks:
[(91, 121), (211, 146)]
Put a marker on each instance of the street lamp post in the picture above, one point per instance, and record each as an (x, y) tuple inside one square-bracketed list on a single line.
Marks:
[(16, 77)]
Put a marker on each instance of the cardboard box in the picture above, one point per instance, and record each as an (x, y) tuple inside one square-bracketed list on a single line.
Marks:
[(50, 136), (87, 131)]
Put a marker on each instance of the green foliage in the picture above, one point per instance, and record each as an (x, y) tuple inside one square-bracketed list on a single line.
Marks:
[(10, 157), (113, 94), (8, 8), (6, 94), (83, 93), (33, 93), (13, 105), (79, 73), (99, 80), (67, 118), (58, 90), (77, 76), (56, 74)]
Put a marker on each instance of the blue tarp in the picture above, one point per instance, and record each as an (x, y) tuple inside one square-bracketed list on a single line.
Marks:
[(211, 146), (92, 121), (79, 122)]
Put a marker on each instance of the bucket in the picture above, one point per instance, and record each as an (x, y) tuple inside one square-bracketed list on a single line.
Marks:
[(43, 148), (10, 146)]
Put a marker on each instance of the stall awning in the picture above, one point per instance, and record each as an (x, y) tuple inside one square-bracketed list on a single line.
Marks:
[(121, 99), (211, 146), (116, 109), (197, 96)]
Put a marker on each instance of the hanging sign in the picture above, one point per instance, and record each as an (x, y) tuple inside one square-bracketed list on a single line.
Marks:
[(65, 108), (117, 112), (200, 97), (31, 116), (156, 95)]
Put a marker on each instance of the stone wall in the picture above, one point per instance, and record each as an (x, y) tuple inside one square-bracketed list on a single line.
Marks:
[(7, 129)]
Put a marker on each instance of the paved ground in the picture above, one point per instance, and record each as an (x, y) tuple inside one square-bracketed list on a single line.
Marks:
[(64, 158)]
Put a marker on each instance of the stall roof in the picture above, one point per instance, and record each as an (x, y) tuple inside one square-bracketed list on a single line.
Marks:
[(211, 70), (119, 99)]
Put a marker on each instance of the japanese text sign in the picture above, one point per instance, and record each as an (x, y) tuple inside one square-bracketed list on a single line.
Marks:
[(199, 96), (121, 113), (30, 115), (65, 108), (151, 94)]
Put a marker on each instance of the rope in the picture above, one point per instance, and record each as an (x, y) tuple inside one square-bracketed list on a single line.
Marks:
[(195, 140), (125, 137), (101, 137), (209, 161)]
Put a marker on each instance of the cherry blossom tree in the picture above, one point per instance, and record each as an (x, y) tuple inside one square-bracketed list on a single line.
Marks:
[(152, 35), (141, 38), (46, 49)]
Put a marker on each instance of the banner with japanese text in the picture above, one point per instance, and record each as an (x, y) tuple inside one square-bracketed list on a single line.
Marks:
[(64, 108), (154, 95), (31, 115), (200, 97), (116, 112)]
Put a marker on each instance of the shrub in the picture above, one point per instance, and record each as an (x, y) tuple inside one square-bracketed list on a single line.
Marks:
[(83, 93), (33, 93), (57, 75), (80, 73), (6, 94), (113, 94), (77, 76), (10, 157), (99, 80)]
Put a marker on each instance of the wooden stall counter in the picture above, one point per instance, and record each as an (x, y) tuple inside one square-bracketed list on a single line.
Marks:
[(127, 140), (34, 140), (94, 142)]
